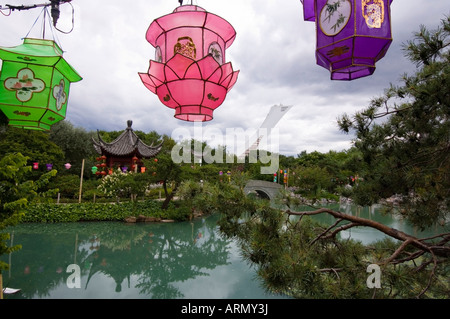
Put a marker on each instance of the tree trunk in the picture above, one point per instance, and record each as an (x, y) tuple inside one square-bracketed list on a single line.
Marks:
[(170, 196)]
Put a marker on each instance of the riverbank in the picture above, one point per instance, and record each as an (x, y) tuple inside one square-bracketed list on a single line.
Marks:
[(63, 213)]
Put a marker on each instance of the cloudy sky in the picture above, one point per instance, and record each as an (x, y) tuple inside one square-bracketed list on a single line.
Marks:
[(274, 51)]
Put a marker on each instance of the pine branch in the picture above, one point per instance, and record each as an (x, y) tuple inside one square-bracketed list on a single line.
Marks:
[(439, 250)]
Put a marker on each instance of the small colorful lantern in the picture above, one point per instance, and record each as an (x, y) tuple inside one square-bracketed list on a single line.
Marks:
[(34, 84), (35, 165), (94, 169), (67, 165), (49, 166), (351, 35), (189, 73)]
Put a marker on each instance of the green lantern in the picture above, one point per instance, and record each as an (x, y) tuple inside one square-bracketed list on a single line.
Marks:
[(34, 84)]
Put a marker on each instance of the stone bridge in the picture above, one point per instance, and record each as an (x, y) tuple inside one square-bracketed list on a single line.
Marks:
[(263, 189)]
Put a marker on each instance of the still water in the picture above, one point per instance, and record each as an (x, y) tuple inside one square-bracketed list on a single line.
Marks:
[(145, 260)]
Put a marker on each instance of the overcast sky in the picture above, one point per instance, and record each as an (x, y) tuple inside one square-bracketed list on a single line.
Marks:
[(274, 51)]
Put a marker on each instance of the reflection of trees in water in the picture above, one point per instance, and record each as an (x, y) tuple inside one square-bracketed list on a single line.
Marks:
[(158, 255), (40, 266), (179, 255)]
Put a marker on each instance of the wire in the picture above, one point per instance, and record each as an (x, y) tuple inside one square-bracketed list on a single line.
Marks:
[(35, 22), (45, 5), (73, 22), (9, 13)]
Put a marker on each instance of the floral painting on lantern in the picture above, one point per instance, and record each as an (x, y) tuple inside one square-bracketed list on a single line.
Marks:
[(25, 85), (59, 94), (373, 12)]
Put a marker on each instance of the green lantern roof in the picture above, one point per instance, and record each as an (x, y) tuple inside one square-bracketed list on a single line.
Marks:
[(34, 84), (41, 52)]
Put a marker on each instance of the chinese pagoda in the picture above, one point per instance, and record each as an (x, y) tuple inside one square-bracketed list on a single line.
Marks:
[(126, 151)]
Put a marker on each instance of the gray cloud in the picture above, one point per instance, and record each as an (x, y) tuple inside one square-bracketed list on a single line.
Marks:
[(274, 51)]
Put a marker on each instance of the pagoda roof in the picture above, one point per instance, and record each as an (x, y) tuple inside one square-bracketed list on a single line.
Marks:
[(128, 143)]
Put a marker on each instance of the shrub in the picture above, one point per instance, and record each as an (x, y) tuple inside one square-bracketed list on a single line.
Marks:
[(54, 213)]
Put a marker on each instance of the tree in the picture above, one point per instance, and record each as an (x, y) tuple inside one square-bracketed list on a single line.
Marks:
[(33, 144), (403, 149), (165, 171), (76, 144), (312, 182), (16, 192), (404, 136)]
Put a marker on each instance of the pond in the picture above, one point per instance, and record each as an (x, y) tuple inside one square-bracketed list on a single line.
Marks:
[(113, 260)]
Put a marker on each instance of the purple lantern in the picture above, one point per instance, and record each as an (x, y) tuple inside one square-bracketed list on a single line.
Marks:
[(351, 34)]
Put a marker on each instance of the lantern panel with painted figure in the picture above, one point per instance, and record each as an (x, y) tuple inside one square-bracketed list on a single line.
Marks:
[(352, 35), (189, 73), (35, 81)]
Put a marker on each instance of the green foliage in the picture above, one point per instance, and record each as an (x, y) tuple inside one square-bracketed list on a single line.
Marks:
[(75, 143), (404, 136), (68, 185), (291, 258), (16, 192), (33, 144), (313, 182), (63, 213)]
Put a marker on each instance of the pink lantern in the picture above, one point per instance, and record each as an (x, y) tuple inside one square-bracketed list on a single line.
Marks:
[(351, 35), (189, 73), (35, 165), (67, 165)]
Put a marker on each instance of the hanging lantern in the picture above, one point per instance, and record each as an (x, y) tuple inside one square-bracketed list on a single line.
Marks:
[(189, 73), (351, 35), (34, 84), (49, 167), (35, 165), (67, 165)]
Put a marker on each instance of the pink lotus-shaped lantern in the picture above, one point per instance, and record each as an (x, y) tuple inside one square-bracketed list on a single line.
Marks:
[(351, 34), (189, 73)]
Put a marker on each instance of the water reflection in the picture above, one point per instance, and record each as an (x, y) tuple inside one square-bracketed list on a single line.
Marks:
[(173, 260), (116, 260)]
